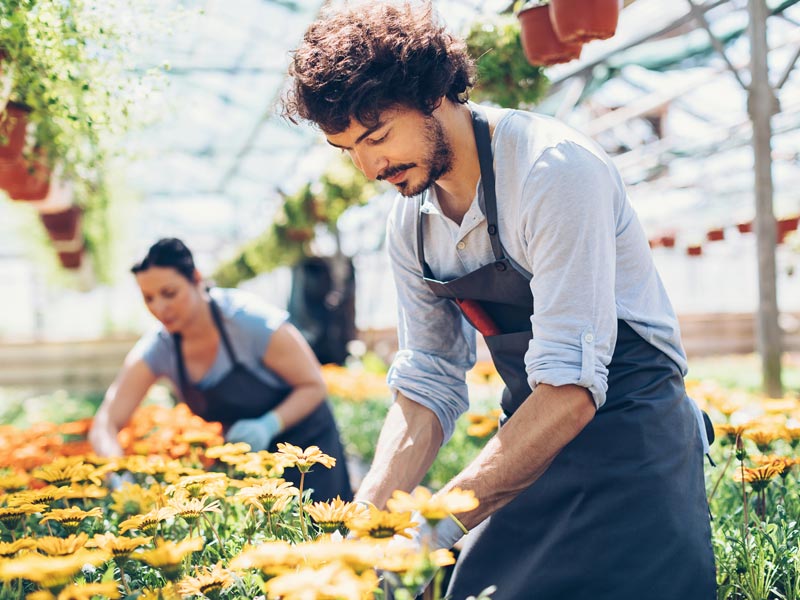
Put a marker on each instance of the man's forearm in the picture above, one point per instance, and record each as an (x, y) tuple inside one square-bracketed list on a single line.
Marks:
[(409, 441), (524, 447)]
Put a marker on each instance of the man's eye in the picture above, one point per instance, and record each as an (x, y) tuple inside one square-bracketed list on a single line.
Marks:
[(373, 141)]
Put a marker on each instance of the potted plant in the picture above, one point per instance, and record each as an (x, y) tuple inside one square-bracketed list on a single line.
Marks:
[(13, 125), (505, 77), (25, 179), (745, 227), (581, 21), (539, 39), (715, 235), (62, 224), (694, 250)]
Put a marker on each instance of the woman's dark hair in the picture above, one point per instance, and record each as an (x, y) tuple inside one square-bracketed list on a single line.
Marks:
[(171, 253), (360, 61)]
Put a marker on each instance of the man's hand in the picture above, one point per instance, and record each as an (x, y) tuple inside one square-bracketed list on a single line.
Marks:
[(258, 432)]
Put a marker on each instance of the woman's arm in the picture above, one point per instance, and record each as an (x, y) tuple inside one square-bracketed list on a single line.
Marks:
[(290, 357), (121, 399)]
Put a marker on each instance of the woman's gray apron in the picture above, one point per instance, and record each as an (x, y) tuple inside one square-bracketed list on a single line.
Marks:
[(240, 394), (621, 513)]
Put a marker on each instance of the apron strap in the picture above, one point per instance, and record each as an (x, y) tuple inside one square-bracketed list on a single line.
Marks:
[(221, 328), (184, 378), (483, 140)]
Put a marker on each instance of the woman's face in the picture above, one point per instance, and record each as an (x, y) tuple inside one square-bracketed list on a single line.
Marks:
[(169, 296)]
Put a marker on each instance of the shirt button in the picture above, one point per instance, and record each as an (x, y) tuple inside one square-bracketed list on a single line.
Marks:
[(461, 245), (588, 338)]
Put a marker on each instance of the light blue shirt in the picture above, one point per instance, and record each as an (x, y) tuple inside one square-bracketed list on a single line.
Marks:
[(563, 215), (249, 323)]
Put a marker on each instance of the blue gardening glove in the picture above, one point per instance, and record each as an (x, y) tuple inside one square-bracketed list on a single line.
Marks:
[(258, 433)]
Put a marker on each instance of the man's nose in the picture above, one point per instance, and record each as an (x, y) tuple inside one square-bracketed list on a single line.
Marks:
[(371, 164)]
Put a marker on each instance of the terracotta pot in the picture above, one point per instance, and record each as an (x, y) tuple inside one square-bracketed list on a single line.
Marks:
[(581, 21), (786, 226), (715, 235), (745, 227), (299, 234), (25, 180), (694, 250), (668, 241), (71, 259), (13, 126), (62, 225), (539, 41)]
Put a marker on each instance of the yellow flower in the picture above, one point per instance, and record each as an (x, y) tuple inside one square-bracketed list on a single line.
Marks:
[(191, 508), (331, 581), (732, 432), (197, 486), (380, 524), (85, 491), (483, 425), (46, 495), (133, 499), (86, 591), (9, 549), (50, 571), (14, 482), (782, 463), (270, 496), (10, 516), (71, 518), (228, 450), (120, 547), (207, 581), (763, 436), (758, 478), (433, 508), (305, 459), (168, 556), (334, 515), (168, 592), (257, 464), (64, 471), (56, 546), (147, 522), (198, 437), (270, 557), (442, 558)]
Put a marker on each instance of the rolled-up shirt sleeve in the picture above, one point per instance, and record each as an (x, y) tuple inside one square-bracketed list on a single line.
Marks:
[(436, 344), (569, 227)]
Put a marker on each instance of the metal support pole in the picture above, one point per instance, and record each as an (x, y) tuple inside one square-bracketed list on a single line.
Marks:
[(761, 106)]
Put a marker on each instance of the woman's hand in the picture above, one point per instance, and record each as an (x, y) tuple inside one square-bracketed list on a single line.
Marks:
[(257, 433)]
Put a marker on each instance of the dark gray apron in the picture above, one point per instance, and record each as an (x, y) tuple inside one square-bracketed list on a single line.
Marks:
[(240, 394), (621, 513)]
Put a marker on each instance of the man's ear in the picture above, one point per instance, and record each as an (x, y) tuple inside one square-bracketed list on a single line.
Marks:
[(197, 277)]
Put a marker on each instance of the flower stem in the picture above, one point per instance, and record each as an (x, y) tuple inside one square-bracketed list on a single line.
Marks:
[(300, 510), (122, 577), (216, 535)]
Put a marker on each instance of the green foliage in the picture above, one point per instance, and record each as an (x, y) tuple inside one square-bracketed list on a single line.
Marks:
[(504, 75), (289, 237), (65, 60)]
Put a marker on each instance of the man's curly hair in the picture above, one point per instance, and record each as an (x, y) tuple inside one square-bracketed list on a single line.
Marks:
[(366, 58)]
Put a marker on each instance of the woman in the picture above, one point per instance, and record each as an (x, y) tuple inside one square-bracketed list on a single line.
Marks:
[(233, 359)]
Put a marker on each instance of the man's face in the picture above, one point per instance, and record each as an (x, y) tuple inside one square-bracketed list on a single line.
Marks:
[(408, 149)]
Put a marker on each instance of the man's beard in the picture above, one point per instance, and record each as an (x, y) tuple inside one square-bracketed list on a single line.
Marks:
[(437, 162)]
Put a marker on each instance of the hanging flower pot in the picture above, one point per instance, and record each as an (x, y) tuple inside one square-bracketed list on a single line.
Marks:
[(715, 235), (745, 227), (63, 224), (786, 226), (668, 241), (70, 253), (25, 180), (13, 126), (539, 41), (696, 250), (581, 21)]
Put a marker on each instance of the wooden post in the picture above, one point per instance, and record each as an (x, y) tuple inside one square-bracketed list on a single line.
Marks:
[(761, 106)]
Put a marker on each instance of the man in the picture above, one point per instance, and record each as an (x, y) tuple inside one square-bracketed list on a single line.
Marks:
[(517, 226)]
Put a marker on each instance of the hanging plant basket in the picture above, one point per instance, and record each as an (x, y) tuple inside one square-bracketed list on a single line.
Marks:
[(667, 241), (62, 225), (581, 21), (70, 253), (13, 126), (539, 40), (715, 235), (746, 227), (25, 180), (694, 250)]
